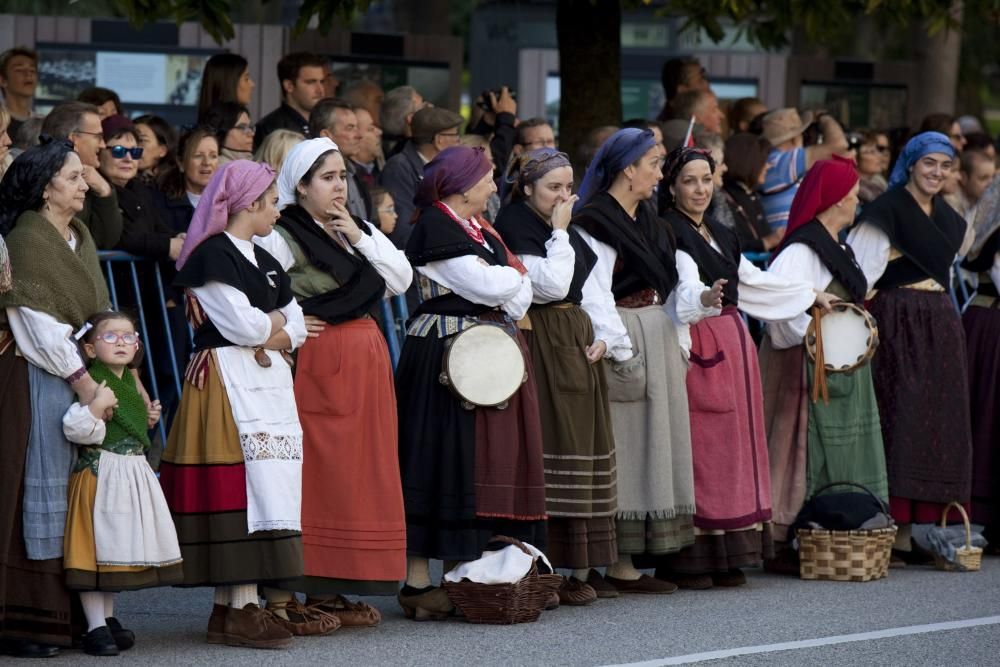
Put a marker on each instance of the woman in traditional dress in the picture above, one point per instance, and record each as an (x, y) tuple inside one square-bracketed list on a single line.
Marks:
[(232, 469), (905, 242), (634, 275), (353, 527), (809, 442), (58, 286), (581, 494), (467, 474), (982, 332), (732, 484)]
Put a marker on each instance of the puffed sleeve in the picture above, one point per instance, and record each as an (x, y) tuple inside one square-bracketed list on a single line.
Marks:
[(45, 341), (599, 302), (388, 260), (770, 297), (80, 426), (472, 278), (796, 262), (684, 303), (230, 311), (278, 247), (551, 275), (295, 323), (871, 249)]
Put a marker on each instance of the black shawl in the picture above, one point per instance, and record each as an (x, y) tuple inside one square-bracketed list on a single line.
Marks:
[(217, 259), (525, 233), (711, 264), (838, 259), (361, 285), (436, 237), (645, 246), (928, 244)]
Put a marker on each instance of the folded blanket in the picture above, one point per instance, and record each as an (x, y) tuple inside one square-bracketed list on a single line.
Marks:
[(946, 541)]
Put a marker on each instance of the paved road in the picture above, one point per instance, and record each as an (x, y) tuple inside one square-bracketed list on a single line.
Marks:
[(170, 625)]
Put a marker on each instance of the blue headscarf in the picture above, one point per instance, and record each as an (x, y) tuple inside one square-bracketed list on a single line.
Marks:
[(621, 149), (923, 144)]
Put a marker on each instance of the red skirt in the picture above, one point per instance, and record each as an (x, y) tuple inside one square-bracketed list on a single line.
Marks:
[(353, 526)]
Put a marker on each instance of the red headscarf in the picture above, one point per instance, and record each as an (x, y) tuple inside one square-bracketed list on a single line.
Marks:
[(825, 184)]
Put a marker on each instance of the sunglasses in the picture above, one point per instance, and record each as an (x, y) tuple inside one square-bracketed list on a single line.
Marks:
[(118, 152), (111, 338)]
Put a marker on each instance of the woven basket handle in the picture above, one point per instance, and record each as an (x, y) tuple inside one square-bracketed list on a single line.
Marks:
[(965, 519), (881, 503), (510, 540)]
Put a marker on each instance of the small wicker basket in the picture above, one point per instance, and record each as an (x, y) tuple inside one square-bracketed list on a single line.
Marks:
[(504, 604), (846, 555), (969, 558)]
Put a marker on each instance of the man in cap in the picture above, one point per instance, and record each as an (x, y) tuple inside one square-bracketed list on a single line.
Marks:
[(789, 159), (432, 130)]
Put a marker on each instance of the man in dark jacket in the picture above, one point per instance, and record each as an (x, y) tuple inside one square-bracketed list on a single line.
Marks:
[(301, 77)]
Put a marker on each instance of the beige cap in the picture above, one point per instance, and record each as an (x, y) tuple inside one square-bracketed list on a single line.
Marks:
[(781, 125), (429, 121)]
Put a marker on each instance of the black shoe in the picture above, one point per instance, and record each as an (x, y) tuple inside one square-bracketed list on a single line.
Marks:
[(23, 648), (100, 642), (124, 638)]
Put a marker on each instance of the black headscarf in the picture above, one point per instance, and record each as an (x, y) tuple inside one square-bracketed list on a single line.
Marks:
[(27, 177)]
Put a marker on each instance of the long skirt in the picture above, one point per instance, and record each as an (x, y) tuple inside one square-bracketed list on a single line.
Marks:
[(35, 604), (838, 442), (649, 415), (353, 525), (729, 447), (446, 454), (83, 572), (203, 474), (982, 330), (922, 386), (581, 497)]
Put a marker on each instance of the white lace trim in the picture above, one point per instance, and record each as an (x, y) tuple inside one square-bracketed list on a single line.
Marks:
[(269, 446), (275, 525)]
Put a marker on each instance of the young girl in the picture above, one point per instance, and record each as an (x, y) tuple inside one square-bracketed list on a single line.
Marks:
[(385, 210), (119, 534)]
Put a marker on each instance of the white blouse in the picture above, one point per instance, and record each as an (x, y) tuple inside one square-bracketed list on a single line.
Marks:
[(762, 295), (551, 275), (239, 322), (80, 426), (871, 248), (471, 278), (797, 261), (388, 260), (599, 302)]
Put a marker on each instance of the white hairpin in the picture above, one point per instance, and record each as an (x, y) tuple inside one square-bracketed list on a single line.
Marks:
[(87, 326)]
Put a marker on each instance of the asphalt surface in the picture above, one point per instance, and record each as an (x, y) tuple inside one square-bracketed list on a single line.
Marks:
[(170, 626)]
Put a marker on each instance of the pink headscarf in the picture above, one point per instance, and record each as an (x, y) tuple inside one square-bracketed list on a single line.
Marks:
[(825, 184), (232, 189)]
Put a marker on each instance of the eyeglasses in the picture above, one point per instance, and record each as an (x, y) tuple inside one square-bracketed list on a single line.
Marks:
[(449, 134), (387, 209), (118, 152), (246, 128), (93, 134), (111, 338)]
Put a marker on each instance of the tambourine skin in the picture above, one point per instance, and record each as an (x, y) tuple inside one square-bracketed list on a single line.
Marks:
[(850, 338), (483, 366)]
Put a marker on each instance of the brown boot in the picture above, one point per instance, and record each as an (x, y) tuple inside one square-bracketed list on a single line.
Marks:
[(303, 620), (217, 624), (351, 614), (255, 628)]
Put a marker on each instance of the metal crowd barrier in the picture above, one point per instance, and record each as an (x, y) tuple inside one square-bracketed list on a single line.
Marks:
[(394, 316)]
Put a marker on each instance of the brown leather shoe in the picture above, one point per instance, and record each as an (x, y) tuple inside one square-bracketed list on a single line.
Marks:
[(729, 579), (351, 614), (217, 624), (601, 587), (255, 628), (644, 584), (303, 620), (430, 605), (552, 603), (575, 593)]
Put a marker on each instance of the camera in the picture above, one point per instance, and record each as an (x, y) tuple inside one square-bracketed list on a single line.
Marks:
[(484, 102)]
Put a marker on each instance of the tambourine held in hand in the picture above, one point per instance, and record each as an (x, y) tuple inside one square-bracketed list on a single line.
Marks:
[(848, 338), (483, 366)]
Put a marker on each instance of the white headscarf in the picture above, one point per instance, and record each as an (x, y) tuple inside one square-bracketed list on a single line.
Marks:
[(300, 160)]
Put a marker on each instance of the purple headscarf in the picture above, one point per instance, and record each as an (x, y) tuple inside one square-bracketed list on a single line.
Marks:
[(529, 167), (452, 171), (233, 188)]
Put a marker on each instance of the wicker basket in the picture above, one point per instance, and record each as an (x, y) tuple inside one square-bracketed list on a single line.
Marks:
[(969, 558), (504, 604), (845, 555)]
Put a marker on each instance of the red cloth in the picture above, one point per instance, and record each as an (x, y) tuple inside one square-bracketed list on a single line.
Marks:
[(353, 523), (825, 184)]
